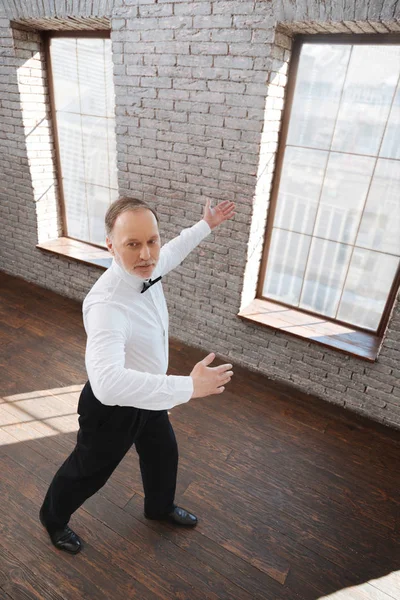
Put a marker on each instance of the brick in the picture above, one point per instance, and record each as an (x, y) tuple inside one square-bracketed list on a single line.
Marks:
[(139, 48), (208, 73), (230, 35), (142, 24), (175, 72), (212, 21), (248, 76), (192, 35), (176, 22), (233, 7), (226, 87), (157, 35), (159, 59), (141, 70), (385, 378), (233, 62), (171, 48), (193, 8), (155, 10), (190, 84), (254, 50), (396, 391), (156, 82), (193, 107), (372, 382), (381, 395), (253, 22), (209, 48), (173, 94), (196, 61)]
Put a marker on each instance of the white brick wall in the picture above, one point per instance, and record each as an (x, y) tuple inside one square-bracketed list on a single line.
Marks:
[(192, 81), (38, 135)]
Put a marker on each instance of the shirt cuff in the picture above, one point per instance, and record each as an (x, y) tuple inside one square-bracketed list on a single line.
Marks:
[(183, 389), (204, 227)]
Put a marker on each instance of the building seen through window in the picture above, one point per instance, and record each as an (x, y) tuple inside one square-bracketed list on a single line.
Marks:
[(335, 241)]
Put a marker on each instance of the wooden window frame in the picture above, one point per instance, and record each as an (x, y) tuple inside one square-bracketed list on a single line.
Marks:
[(57, 247), (299, 40)]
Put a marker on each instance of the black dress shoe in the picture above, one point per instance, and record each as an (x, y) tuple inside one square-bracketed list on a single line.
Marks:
[(178, 516), (63, 539)]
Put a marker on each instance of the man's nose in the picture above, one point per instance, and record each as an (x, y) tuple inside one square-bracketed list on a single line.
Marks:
[(145, 253)]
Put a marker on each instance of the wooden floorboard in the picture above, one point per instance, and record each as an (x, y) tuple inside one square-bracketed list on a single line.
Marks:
[(297, 499)]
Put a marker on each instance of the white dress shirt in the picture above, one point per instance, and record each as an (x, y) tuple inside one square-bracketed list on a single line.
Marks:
[(127, 333)]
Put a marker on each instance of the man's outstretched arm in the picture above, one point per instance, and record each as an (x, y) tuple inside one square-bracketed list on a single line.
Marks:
[(108, 330), (175, 251)]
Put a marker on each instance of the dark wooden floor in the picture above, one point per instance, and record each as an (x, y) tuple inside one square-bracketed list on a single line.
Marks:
[(297, 499)]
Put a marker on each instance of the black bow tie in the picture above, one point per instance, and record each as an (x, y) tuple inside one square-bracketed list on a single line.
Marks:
[(147, 284)]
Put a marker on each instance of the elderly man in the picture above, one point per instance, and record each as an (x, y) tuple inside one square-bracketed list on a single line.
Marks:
[(127, 397)]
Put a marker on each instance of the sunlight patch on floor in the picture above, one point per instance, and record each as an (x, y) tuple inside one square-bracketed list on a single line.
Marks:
[(383, 588), (38, 414)]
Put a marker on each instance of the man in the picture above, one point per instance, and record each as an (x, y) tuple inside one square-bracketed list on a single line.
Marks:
[(128, 394)]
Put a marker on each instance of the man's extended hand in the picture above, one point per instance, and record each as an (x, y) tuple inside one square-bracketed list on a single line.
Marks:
[(209, 380), (222, 212)]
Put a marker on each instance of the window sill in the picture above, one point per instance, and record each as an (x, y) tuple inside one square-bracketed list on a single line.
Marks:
[(300, 324), (78, 251)]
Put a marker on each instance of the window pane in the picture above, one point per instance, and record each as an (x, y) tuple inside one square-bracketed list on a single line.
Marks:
[(391, 140), (113, 195), (92, 81), (300, 187), (286, 264), (75, 207), (325, 275), (70, 144), (95, 150), (98, 199), (368, 92), (368, 284), (319, 83), (345, 189), (65, 74), (380, 224)]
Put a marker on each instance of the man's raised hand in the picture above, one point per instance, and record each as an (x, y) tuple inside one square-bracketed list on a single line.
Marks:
[(222, 212), (209, 380)]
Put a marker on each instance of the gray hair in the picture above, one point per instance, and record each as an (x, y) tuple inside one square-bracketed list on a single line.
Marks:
[(122, 205)]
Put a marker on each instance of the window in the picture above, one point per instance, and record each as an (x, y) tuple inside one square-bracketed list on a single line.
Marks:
[(84, 107), (333, 247)]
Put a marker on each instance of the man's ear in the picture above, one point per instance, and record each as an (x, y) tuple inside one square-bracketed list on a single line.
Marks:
[(109, 245)]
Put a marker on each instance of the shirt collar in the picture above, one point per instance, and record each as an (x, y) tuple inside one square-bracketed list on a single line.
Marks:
[(132, 280)]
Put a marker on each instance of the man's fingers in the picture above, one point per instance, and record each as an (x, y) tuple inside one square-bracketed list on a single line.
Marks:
[(227, 208), (226, 376), (222, 368), (230, 212), (220, 390), (208, 359)]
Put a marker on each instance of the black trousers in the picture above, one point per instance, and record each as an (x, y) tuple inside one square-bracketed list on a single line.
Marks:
[(105, 435)]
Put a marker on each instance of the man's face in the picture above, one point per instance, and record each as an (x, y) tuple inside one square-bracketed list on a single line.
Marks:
[(135, 242)]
